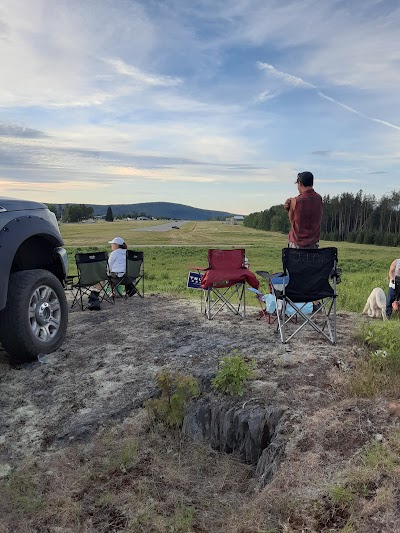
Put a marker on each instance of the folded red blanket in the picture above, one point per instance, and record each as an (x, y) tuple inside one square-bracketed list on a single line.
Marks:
[(227, 278)]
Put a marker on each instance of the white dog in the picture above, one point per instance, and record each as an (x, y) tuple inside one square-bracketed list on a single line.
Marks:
[(376, 304)]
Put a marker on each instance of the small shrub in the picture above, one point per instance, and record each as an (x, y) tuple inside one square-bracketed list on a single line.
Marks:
[(232, 372), (176, 391), (341, 496)]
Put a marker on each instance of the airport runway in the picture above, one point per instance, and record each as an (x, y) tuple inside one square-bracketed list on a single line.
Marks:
[(165, 226)]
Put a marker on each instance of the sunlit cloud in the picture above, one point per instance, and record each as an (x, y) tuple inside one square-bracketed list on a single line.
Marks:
[(15, 186), (156, 174)]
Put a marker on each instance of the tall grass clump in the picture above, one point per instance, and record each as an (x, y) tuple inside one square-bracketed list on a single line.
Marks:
[(379, 372)]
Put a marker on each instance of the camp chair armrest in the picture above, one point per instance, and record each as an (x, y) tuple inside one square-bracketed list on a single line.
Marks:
[(267, 275), (336, 273)]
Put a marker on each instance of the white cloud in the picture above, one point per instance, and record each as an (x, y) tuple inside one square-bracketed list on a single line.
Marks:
[(286, 78), (348, 108), (264, 96), (159, 174), (141, 77), (106, 85), (51, 52), (295, 81), (341, 43)]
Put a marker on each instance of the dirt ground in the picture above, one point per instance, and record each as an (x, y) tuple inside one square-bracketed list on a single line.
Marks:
[(109, 360), (106, 369)]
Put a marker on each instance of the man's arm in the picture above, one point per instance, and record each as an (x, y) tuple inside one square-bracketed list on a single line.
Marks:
[(392, 270), (291, 209)]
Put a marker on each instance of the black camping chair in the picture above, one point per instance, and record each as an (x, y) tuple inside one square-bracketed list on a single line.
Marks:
[(92, 270), (313, 276), (133, 279)]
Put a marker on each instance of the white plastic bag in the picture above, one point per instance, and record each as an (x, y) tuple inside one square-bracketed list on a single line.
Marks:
[(270, 304)]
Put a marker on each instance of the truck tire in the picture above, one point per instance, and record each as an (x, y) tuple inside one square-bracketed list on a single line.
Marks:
[(35, 318)]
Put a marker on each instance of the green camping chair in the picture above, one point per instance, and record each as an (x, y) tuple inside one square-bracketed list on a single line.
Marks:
[(133, 280), (92, 270)]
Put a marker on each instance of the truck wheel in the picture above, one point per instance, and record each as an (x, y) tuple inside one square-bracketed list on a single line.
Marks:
[(35, 318)]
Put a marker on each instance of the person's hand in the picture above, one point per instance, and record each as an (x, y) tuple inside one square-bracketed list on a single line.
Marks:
[(286, 205)]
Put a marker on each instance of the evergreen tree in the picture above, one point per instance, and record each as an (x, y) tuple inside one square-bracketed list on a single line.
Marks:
[(109, 215)]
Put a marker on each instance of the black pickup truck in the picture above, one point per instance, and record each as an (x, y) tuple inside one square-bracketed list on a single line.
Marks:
[(33, 268)]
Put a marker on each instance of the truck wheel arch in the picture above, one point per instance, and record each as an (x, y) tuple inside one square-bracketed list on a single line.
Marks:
[(28, 242)]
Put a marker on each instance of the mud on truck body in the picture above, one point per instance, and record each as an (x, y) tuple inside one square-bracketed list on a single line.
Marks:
[(33, 268)]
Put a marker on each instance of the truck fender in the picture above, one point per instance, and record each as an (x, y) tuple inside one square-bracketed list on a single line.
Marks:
[(15, 233)]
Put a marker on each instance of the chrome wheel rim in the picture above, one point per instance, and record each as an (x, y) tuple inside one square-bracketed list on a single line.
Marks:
[(44, 313)]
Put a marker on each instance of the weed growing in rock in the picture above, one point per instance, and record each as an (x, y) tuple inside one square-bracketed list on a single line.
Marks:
[(232, 372), (176, 390)]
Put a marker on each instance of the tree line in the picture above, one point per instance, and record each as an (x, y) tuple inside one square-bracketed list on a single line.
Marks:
[(79, 212), (360, 218), (71, 212)]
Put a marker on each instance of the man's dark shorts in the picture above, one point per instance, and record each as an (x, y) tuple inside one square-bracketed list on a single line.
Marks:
[(312, 247)]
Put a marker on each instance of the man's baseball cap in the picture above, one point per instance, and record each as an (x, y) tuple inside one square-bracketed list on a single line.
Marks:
[(306, 178), (117, 240)]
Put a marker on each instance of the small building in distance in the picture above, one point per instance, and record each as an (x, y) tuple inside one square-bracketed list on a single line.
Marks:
[(143, 218), (235, 219)]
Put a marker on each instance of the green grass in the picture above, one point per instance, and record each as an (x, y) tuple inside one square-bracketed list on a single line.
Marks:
[(378, 372), (170, 255)]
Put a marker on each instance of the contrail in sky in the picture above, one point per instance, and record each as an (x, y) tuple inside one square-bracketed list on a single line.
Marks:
[(294, 81)]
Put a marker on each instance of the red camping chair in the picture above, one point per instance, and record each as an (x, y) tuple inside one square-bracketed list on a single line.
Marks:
[(224, 282)]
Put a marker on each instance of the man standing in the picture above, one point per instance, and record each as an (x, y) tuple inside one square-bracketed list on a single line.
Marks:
[(305, 214)]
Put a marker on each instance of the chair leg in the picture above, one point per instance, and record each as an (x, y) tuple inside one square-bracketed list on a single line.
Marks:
[(330, 336), (222, 299), (78, 298)]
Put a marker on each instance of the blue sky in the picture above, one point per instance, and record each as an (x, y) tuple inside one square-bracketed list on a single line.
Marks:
[(214, 104)]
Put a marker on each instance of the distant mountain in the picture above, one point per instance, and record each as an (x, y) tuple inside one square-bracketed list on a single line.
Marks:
[(161, 210)]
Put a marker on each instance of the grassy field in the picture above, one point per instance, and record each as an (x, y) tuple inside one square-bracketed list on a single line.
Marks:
[(170, 254)]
